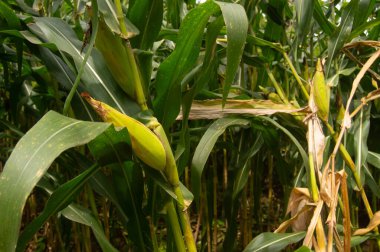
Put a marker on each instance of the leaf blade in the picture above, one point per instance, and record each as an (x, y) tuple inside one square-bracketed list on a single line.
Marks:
[(205, 147), (52, 135)]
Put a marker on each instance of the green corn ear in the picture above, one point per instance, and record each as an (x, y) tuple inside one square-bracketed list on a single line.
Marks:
[(117, 57), (321, 92), (145, 144)]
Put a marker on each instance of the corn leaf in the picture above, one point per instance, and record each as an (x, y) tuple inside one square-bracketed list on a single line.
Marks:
[(322, 20), (304, 10), (98, 80), (236, 22), (147, 15), (341, 35), (205, 146), (180, 62), (58, 200), (108, 10), (273, 241), (82, 215), (28, 162)]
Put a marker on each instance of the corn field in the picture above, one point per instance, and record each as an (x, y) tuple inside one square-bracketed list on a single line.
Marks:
[(184, 125)]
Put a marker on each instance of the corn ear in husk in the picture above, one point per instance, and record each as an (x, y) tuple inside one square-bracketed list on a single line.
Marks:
[(118, 57), (145, 144), (321, 92)]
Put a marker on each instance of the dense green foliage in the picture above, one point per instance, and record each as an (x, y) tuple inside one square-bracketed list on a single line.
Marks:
[(263, 115)]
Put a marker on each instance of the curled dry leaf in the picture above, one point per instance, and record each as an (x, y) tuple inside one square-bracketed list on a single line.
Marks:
[(375, 221), (326, 193), (298, 200), (282, 228)]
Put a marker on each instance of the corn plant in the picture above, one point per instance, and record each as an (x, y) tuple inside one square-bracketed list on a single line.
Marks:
[(189, 125)]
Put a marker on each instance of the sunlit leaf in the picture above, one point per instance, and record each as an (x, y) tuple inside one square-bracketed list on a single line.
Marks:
[(108, 10)]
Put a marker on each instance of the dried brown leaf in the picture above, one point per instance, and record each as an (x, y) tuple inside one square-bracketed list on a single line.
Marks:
[(212, 109), (297, 206), (313, 224), (375, 221), (282, 228), (297, 194), (316, 138)]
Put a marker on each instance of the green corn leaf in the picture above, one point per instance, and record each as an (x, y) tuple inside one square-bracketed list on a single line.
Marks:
[(236, 22), (108, 10), (374, 159), (65, 76), (175, 12), (357, 240), (363, 10), (59, 199), (205, 146), (371, 181), (28, 162), (242, 176), (262, 42), (127, 182), (341, 35), (147, 15), (304, 249), (180, 62), (273, 241), (10, 17), (360, 132), (81, 215), (304, 10), (96, 77), (363, 27), (322, 20), (293, 138)]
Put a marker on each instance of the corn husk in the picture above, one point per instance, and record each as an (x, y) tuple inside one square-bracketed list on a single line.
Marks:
[(145, 144), (321, 92)]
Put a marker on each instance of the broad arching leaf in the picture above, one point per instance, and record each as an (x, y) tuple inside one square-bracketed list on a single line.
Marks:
[(29, 161)]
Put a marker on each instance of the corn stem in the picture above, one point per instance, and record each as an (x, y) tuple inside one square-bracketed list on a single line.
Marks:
[(176, 230), (140, 96), (298, 79), (171, 174), (277, 86)]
